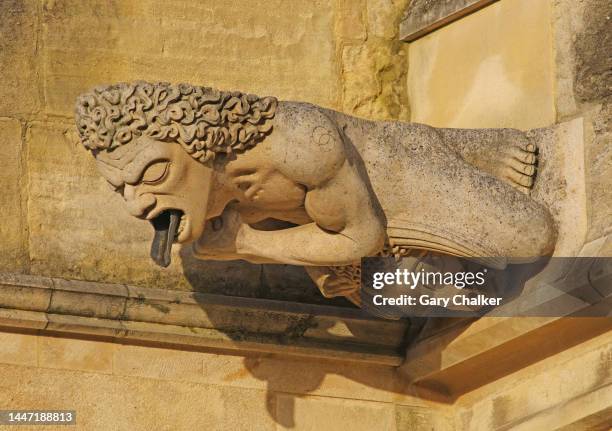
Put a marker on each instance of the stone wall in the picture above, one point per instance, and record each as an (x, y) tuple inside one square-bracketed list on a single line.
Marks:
[(523, 64), (493, 68), (129, 387), (59, 218), (583, 36), (122, 387)]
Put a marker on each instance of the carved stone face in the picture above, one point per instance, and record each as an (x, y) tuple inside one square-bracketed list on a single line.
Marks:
[(161, 183)]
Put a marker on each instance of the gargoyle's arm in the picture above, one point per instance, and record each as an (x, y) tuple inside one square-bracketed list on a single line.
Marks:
[(304, 245), (346, 227)]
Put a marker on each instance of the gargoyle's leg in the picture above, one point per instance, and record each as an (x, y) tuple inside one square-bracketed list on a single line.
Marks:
[(452, 207), (506, 154)]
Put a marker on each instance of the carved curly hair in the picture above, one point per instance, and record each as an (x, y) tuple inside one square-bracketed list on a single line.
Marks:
[(203, 120)]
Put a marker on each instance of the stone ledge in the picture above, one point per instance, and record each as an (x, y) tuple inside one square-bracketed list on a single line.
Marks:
[(425, 16), (198, 320)]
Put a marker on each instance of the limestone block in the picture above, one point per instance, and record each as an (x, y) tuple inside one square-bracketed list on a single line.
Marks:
[(335, 379), (24, 293), (151, 362), (76, 354), (309, 413), (593, 76), (105, 402), (20, 349), (351, 20), (492, 68), (557, 384), (374, 76), (12, 229), (19, 58), (69, 215), (84, 326), (23, 319), (383, 17), (583, 83), (237, 371), (410, 418), (424, 16), (105, 301), (599, 172), (263, 46)]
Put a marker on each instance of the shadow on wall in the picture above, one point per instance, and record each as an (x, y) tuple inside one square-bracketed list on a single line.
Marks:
[(290, 378)]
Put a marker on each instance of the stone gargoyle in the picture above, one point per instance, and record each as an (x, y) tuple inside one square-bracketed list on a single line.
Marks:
[(244, 177)]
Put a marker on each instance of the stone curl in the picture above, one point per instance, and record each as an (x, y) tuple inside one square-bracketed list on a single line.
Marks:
[(203, 120)]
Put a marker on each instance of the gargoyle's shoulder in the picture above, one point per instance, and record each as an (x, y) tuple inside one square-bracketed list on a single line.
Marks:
[(304, 113)]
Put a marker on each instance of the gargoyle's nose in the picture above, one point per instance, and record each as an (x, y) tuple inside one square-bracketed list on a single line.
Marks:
[(137, 205)]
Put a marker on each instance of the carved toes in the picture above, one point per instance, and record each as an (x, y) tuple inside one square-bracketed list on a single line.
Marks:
[(530, 147), (522, 189), (519, 178), (523, 168), (523, 156), (529, 170)]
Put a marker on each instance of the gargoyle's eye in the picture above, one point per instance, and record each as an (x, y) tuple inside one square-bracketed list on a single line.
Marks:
[(155, 173)]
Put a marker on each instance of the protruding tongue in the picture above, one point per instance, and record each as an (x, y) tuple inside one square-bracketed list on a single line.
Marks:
[(165, 225)]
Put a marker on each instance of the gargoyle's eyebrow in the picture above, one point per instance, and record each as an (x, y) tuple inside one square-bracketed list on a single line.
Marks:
[(123, 155)]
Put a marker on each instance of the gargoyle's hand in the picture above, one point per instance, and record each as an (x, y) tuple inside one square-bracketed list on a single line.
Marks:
[(332, 283), (219, 237)]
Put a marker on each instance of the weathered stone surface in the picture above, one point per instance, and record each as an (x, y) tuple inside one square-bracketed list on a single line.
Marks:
[(18, 349), (543, 395), (290, 51), (264, 46), (64, 214), (57, 224), (309, 413), (409, 418), (72, 354), (424, 16), (583, 88), (23, 319), (593, 65), (374, 81), (134, 403), (166, 364), (192, 319), (351, 20), (19, 58), (599, 174), (384, 16), (373, 63), (493, 68), (13, 247)]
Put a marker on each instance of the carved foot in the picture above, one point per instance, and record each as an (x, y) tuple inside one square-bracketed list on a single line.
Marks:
[(519, 160), (511, 157)]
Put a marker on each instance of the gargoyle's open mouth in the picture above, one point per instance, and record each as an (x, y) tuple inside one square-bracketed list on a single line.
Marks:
[(166, 227)]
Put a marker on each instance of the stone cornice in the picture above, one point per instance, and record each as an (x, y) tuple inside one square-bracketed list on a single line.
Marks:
[(197, 320), (425, 16)]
